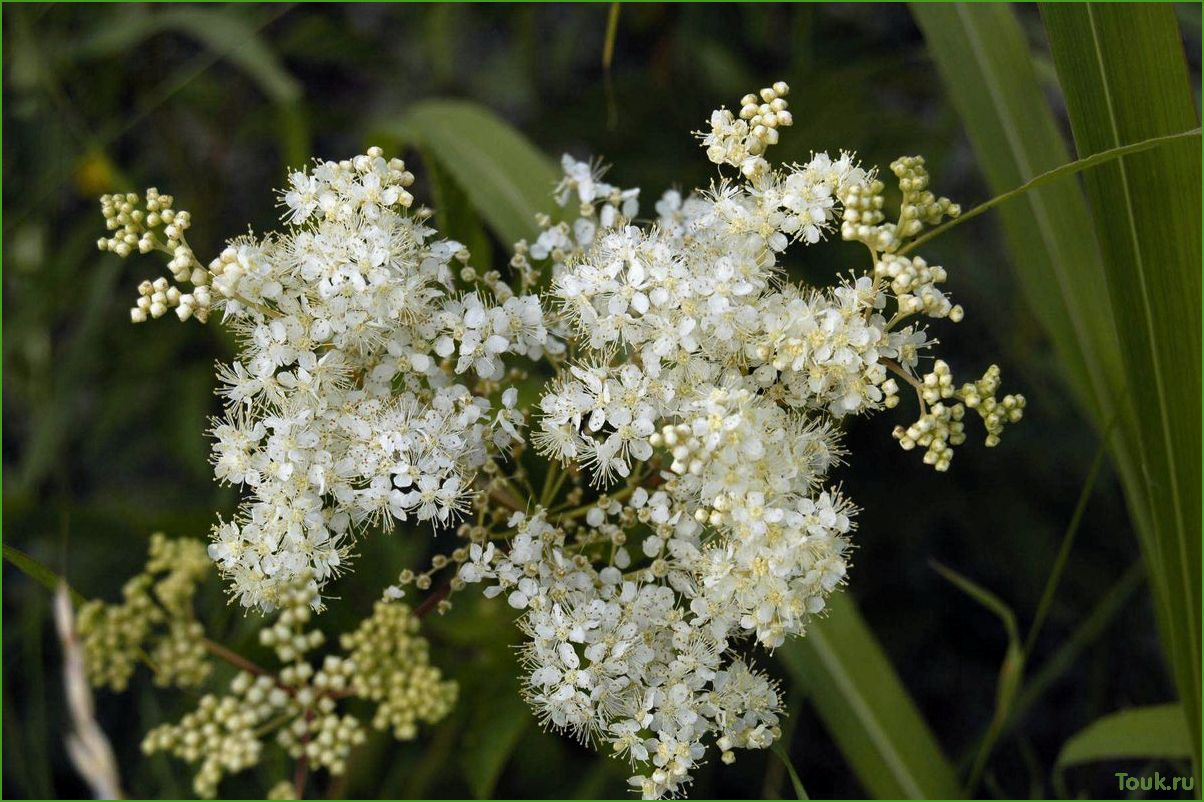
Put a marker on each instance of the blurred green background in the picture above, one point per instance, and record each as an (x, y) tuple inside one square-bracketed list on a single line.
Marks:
[(104, 422)]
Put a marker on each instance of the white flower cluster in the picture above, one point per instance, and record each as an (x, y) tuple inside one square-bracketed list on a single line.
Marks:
[(698, 389), (713, 388), (346, 403)]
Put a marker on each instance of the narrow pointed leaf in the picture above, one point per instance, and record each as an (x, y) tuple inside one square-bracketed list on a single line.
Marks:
[(850, 681), (37, 572), (1090, 298), (1124, 75), (988, 71)]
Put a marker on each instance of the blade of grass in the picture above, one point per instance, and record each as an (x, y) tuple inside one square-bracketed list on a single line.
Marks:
[(795, 699), (799, 791), (1154, 731), (1124, 75), (294, 133), (37, 572), (987, 68), (1064, 170), (1072, 531), (1118, 597), (863, 704), (608, 55), (1011, 671)]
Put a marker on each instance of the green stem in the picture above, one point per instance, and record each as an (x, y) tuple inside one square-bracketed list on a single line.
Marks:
[(550, 483), (1069, 168), (1072, 529)]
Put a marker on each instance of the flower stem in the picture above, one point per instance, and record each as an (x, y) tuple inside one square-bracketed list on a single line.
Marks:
[(233, 658)]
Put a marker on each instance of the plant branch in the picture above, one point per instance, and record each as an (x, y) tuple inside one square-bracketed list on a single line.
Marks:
[(433, 599), (233, 658)]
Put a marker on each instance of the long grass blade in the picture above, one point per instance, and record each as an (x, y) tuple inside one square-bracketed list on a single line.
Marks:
[(1011, 670), (987, 69), (1118, 598), (1068, 539), (38, 572), (799, 791), (862, 702), (1090, 298), (1124, 75)]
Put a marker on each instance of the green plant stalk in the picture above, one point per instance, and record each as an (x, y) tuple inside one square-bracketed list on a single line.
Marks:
[(1072, 530), (1011, 671)]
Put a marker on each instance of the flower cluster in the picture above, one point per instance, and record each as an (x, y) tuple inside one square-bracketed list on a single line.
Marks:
[(394, 671), (614, 658), (384, 661), (347, 403), (939, 426), (154, 622), (689, 382)]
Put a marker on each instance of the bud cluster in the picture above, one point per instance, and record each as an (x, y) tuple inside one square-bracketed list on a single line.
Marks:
[(146, 223), (154, 622)]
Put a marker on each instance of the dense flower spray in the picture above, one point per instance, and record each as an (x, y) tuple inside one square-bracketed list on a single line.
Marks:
[(689, 415)]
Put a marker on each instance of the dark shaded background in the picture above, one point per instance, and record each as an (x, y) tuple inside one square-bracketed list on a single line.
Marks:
[(103, 437)]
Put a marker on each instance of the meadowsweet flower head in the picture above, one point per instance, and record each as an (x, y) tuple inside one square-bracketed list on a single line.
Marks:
[(690, 423)]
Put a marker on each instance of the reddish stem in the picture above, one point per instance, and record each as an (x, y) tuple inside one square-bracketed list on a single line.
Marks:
[(233, 658), (432, 601)]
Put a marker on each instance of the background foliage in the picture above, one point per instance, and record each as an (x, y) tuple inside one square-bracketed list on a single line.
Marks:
[(103, 439)]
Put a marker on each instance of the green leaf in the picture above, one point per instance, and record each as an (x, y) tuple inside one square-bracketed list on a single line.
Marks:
[(1118, 599), (38, 572), (984, 597), (505, 178), (863, 704), (1158, 731), (1124, 75), (495, 730), (229, 34), (455, 216), (1068, 169), (1123, 317)]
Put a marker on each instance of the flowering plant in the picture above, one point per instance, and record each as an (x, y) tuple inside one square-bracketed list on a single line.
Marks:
[(687, 405)]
